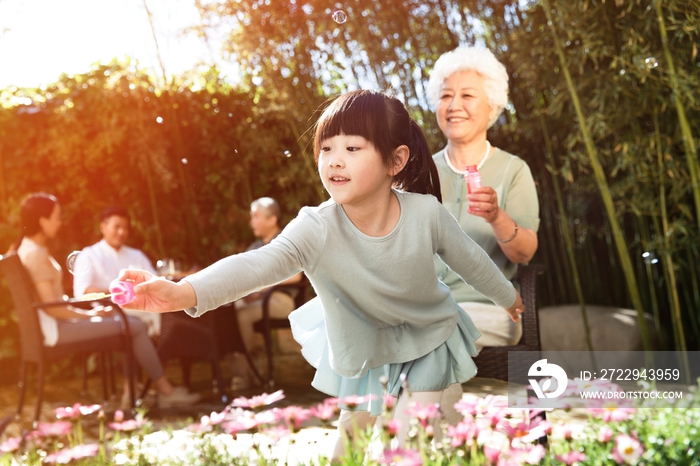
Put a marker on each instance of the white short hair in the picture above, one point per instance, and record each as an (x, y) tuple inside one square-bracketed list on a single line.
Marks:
[(478, 59)]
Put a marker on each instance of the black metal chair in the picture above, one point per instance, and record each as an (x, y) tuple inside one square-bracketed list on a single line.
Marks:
[(492, 361), (267, 324), (208, 337), (32, 340)]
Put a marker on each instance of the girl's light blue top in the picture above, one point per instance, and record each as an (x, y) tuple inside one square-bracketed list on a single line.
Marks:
[(381, 297)]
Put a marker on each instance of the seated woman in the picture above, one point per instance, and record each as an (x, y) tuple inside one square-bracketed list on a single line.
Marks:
[(468, 87), (40, 220)]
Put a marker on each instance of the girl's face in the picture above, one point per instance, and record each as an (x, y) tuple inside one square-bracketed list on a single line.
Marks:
[(352, 170), (50, 225), (463, 110)]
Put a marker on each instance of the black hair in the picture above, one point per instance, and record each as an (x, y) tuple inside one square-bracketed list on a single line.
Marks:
[(33, 208), (383, 121), (119, 211)]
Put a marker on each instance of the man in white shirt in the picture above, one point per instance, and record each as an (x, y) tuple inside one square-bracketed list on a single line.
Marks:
[(99, 264)]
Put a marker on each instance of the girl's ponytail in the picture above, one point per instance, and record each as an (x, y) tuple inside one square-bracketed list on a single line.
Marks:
[(420, 174)]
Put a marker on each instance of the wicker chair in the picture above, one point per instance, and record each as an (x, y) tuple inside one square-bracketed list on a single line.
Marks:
[(492, 361), (267, 324), (32, 340)]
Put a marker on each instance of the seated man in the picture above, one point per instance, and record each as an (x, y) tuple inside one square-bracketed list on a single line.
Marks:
[(99, 264), (265, 223)]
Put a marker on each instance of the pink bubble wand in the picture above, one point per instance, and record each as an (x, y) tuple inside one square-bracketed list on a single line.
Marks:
[(122, 292)]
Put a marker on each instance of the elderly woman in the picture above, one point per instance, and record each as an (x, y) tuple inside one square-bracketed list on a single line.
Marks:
[(468, 87)]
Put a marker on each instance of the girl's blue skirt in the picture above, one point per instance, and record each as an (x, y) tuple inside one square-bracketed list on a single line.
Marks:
[(449, 363)]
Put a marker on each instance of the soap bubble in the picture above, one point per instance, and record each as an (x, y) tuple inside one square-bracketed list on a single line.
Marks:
[(339, 16), (649, 257), (184, 161), (651, 62), (77, 264)]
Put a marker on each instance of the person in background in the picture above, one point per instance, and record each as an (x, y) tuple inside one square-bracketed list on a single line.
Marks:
[(99, 264), (468, 88), (265, 223), (40, 220)]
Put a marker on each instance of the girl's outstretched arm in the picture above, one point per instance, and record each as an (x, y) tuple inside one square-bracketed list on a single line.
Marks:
[(156, 294)]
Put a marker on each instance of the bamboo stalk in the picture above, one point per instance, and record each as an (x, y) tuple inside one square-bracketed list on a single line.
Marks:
[(548, 231), (566, 233), (602, 182), (642, 228), (693, 260), (148, 173), (672, 287), (688, 142)]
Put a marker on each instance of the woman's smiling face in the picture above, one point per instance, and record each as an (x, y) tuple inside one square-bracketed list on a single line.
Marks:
[(463, 108)]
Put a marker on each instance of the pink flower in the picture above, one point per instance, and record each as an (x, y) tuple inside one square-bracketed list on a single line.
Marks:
[(527, 430), (74, 412), (491, 454), (327, 410), (293, 416), (53, 429), (528, 454), (464, 433), (571, 457), (393, 427), (389, 402), (611, 411), (207, 423), (401, 457), (472, 407), (494, 418), (353, 401), (10, 445), (127, 426), (566, 432), (423, 413), (260, 401), (247, 421), (118, 415), (627, 450), (241, 425), (277, 433), (67, 455), (605, 434)]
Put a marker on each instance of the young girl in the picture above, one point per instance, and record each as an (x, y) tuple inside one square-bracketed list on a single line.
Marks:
[(368, 253)]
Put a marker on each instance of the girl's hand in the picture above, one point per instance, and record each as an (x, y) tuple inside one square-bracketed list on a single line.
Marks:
[(517, 308), (483, 202), (156, 294)]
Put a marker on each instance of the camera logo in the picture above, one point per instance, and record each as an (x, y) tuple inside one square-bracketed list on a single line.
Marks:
[(542, 368)]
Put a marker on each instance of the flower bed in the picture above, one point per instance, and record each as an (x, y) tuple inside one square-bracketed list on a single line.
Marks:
[(251, 431)]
